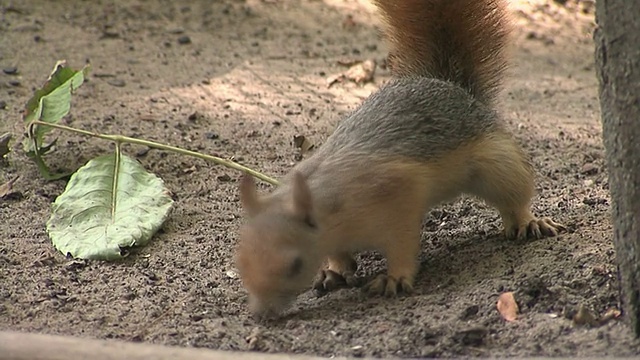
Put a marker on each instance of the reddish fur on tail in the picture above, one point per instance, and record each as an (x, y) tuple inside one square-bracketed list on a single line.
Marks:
[(461, 41)]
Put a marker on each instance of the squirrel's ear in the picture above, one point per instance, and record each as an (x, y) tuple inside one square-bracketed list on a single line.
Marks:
[(248, 195), (302, 201)]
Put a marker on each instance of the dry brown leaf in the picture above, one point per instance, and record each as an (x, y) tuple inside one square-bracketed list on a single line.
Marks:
[(507, 306), (611, 314)]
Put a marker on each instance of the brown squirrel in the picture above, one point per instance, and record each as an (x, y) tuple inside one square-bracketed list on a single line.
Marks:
[(428, 135)]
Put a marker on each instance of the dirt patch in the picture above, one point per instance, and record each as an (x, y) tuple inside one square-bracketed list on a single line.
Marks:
[(241, 79)]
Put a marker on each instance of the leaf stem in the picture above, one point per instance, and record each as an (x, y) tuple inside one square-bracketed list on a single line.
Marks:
[(116, 179), (125, 139)]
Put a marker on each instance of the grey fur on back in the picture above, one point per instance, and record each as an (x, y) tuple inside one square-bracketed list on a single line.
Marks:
[(416, 117)]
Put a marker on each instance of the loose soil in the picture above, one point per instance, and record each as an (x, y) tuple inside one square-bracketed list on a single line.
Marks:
[(240, 79)]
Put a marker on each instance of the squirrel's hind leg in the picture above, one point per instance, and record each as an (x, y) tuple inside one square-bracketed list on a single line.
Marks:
[(504, 178)]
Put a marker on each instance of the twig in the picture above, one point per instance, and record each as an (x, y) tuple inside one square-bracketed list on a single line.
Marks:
[(155, 145)]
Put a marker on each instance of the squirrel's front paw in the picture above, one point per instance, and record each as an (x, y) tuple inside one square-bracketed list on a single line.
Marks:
[(388, 286), (534, 228), (329, 280)]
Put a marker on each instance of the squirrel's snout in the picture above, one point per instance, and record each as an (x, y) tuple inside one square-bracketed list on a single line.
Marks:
[(268, 308)]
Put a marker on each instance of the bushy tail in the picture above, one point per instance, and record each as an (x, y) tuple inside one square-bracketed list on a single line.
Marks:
[(461, 41)]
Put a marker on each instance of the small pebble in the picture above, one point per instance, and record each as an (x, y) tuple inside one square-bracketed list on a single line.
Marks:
[(469, 312), (193, 116), (184, 39), (111, 34), (3, 104), (589, 169), (176, 31), (143, 152), (14, 83), (211, 135), (12, 70), (116, 82)]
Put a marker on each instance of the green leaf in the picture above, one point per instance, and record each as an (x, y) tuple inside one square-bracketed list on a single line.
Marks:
[(110, 204), (50, 104)]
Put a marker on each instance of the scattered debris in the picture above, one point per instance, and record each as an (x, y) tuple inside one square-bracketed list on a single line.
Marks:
[(469, 312), (74, 265), (349, 22), (6, 188), (301, 142), (253, 340), (584, 317), (12, 70), (4, 144), (116, 82), (589, 169), (184, 39), (507, 306), (471, 337), (361, 72), (357, 351), (348, 62), (143, 152), (232, 274)]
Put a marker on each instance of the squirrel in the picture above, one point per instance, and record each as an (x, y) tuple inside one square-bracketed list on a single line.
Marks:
[(428, 135)]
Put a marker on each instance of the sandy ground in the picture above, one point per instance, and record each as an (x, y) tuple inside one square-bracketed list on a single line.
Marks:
[(241, 79)]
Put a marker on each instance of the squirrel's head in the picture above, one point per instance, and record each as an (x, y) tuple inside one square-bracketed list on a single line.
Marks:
[(277, 247)]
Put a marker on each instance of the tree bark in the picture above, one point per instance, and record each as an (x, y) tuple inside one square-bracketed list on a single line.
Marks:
[(617, 41)]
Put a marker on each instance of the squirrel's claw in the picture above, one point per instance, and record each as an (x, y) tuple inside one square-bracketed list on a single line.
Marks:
[(388, 286), (536, 229), (328, 280)]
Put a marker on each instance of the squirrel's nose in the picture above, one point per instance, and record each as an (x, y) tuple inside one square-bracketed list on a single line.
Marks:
[(261, 310)]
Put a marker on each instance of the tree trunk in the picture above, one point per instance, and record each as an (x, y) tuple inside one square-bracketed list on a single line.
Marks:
[(618, 68)]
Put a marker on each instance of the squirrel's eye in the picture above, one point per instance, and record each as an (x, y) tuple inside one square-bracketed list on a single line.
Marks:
[(296, 267)]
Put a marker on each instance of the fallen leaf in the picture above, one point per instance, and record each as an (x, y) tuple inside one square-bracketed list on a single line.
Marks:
[(611, 314), (5, 189), (507, 306), (4, 144)]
